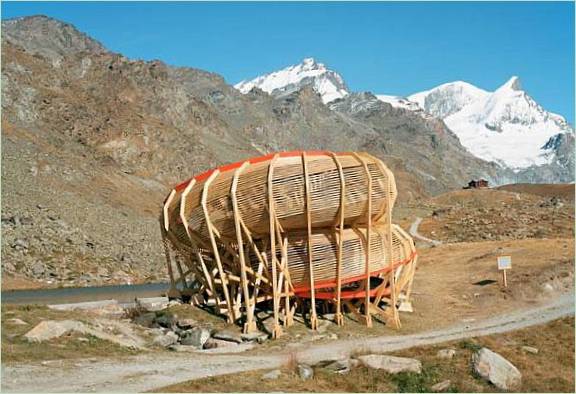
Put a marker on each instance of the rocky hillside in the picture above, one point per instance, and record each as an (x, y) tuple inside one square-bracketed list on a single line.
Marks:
[(93, 141)]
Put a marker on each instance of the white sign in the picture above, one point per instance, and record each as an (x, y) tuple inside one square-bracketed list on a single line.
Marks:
[(504, 262)]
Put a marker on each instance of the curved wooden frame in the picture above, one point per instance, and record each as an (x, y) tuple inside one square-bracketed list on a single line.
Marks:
[(290, 227)]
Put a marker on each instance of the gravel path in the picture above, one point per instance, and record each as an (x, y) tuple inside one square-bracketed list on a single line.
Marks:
[(150, 371), (414, 232)]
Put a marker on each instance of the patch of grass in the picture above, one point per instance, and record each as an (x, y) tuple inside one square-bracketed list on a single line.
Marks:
[(410, 382), (551, 370), (469, 345), (15, 348)]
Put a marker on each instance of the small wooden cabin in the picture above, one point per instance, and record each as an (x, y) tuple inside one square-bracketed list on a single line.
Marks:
[(477, 184)]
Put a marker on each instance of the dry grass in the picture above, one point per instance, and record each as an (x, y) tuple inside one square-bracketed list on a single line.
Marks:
[(551, 370), (16, 349)]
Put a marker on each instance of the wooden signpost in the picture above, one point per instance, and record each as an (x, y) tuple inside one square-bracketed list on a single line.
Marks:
[(504, 264)]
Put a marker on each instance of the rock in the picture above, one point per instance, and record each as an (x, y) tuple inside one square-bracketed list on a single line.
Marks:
[(442, 386), (305, 371), (17, 322), (168, 339), (147, 319), (38, 268), (50, 329), (496, 369), (165, 320), (256, 336), (272, 375), (228, 336), (391, 364), (186, 324), (446, 353), (195, 337), (530, 349), (213, 343), (20, 244), (339, 366), (153, 304)]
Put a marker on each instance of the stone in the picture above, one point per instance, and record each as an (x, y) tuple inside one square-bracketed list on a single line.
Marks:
[(49, 329), (165, 320), (256, 336), (446, 353), (165, 340), (339, 366), (305, 371), (147, 319), (213, 343), (272, 375), (442, 386), (16, 322), (228, 336), (530, 349), (496, 369), (153, 304), (20, 244), (391, 364), (196, 337), (186, 324)]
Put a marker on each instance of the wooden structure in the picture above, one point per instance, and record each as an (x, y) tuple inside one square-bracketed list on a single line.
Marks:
[(296, 229), (477, 184)]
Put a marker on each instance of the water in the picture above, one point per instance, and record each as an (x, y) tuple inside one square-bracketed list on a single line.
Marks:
[(122, 293)]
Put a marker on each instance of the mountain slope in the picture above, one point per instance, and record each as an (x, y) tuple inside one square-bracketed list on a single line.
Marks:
[(93, 141), (327, 83)]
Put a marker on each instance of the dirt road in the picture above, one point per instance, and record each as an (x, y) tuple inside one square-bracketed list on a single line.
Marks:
[(149, 371), (414, 232)]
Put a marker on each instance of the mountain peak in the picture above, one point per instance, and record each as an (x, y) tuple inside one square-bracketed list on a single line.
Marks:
[(48, 37), (512, 84), (309, 72)]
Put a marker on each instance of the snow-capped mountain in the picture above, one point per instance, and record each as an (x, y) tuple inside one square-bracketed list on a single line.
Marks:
[(506, 126), (446, 99), (325, 82)]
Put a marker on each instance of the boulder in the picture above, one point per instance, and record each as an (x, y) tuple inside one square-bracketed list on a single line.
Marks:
[(228, 336), (16, 322), (165, 340), (165, 320), (530, 349), (153, 304), (196, 337), (496, 369), (213, 343), (391, 364), (256, 336), (272, 375), (442, 386), (339, 366), (50, 329), (305, 371), (186, 324), (446, 353)]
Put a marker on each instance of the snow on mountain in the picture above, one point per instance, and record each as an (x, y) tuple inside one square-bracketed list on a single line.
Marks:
[(508, 126), (327, 83), (446, 99), (399, 102)]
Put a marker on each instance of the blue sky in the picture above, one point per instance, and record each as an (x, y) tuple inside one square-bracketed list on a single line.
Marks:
[(387, 48)]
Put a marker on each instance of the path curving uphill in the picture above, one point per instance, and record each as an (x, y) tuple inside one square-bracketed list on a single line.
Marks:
[(414, 232)]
